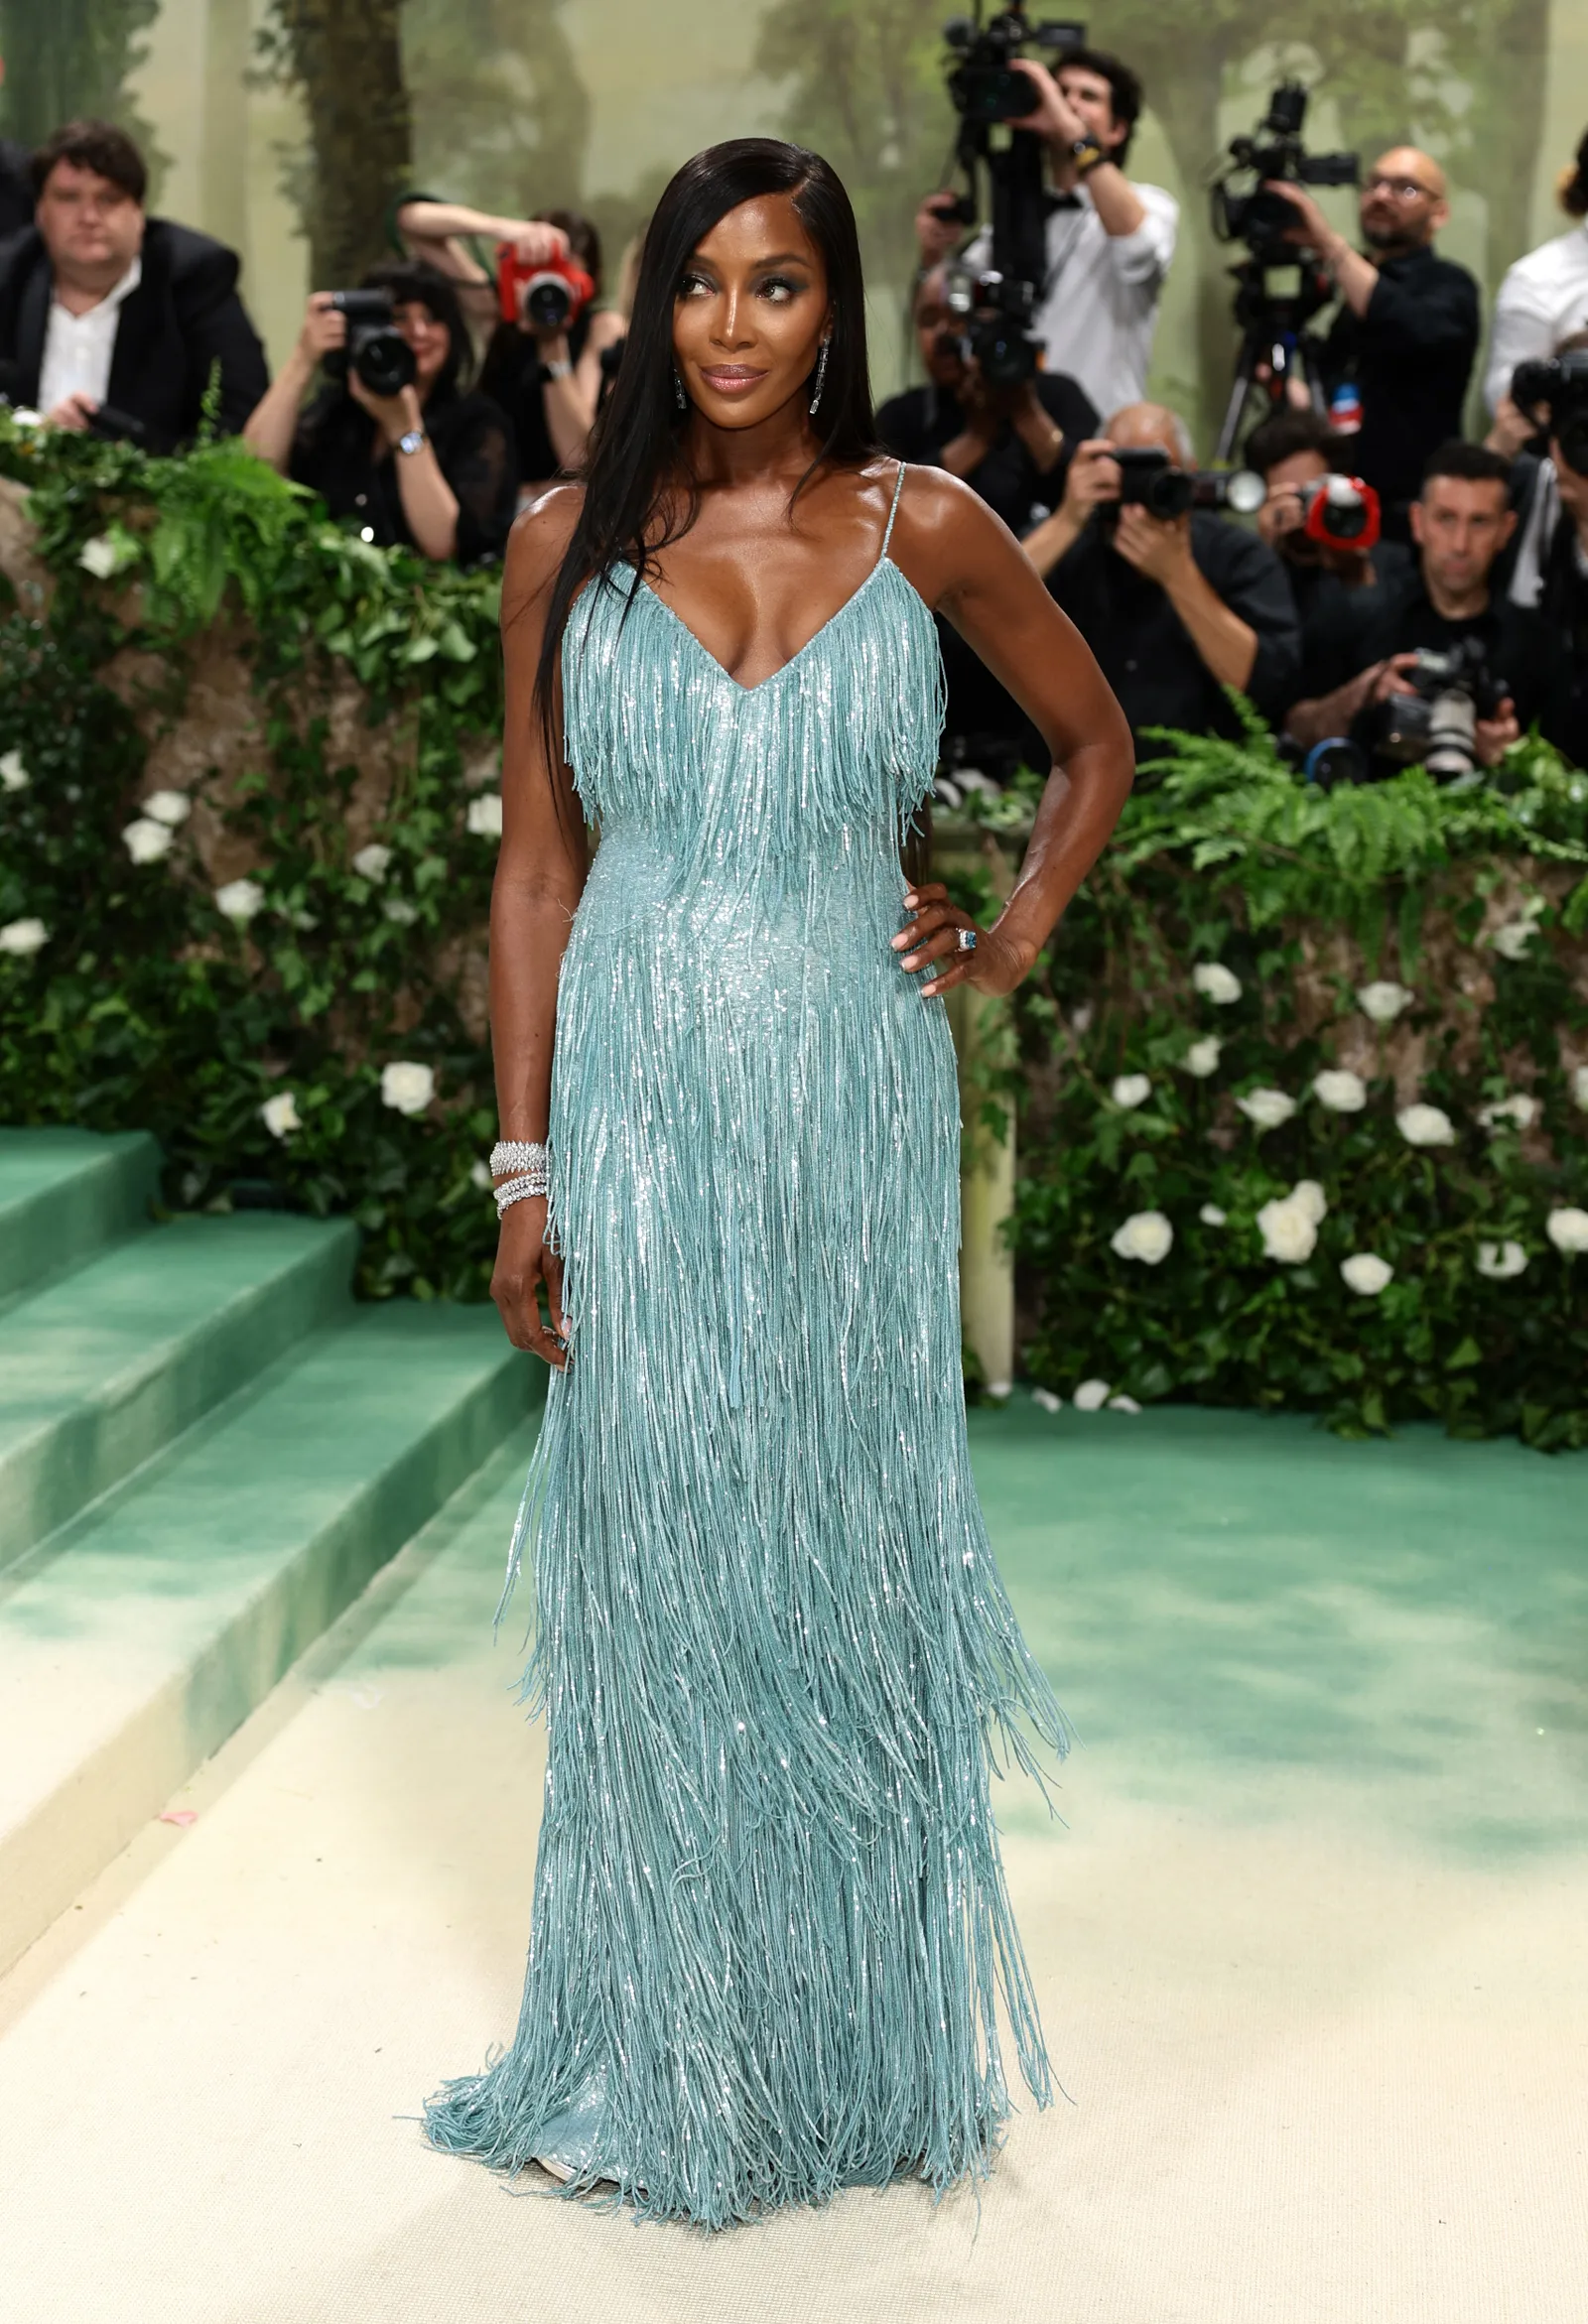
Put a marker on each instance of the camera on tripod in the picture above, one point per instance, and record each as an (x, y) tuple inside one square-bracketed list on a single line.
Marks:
[(1558, 387), (376, 350), (996, 307), (1276, 151)]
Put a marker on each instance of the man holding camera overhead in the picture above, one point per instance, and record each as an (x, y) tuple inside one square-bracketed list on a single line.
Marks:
[(1110, 240), (115, 320), (1176, 606), (1406, 336)]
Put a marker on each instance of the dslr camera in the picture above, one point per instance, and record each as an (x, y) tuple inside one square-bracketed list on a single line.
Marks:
[(1435, 720), (377, 351), (1149, 479), (1275, 150), (1561, 388), (1339, 513), (548, 297)]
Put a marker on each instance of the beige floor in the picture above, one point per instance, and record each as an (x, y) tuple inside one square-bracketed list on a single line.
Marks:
[(1316, 2073)]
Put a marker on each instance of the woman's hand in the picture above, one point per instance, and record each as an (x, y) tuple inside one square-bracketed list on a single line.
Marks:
[(325, 329), (994, 965), (523, 1264), (394, 415)]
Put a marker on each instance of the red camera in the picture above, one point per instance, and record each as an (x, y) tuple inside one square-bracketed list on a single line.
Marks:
[(1342, 514), (551, 296)]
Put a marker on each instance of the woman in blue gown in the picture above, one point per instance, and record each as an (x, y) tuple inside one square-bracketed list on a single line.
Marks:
[(770, 1935)]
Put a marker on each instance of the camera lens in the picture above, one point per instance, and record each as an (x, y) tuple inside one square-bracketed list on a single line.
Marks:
[(549, 304), (383, 359)]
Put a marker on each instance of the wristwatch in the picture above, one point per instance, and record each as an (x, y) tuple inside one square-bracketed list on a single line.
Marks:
[(1086, 153), (411, 441), (558, 370)]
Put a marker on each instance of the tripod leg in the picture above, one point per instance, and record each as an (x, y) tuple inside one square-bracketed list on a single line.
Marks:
[(1246, 365)]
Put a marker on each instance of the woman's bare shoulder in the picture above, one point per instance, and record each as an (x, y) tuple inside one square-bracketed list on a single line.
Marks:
[(943, 530), (538, 540)]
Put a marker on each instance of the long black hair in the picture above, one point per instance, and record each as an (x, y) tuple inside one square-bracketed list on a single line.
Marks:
[(633, 466)]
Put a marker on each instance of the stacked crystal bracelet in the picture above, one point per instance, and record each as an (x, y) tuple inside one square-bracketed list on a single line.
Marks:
[(531, 1165)]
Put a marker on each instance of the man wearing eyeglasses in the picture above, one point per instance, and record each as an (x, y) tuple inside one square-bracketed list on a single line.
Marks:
[(1406, 335)]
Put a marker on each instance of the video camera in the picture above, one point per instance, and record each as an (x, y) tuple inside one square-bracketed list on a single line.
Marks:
[(376, 349), (548, 296), (1275, 150), (986, 92), (1149, 479), (1434, 720), (1561, 387)]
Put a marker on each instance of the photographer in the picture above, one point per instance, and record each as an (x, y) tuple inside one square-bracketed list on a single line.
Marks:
[(1011, 444), (1175, 609), (103, 306), (1461, 523), (1405, 334), (429, 466), (548, 378), (1296, 454), (1109, 240), (1545, 296), (1550, 578)]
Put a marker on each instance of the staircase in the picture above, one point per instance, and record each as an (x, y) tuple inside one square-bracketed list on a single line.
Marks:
[(206, 1453)]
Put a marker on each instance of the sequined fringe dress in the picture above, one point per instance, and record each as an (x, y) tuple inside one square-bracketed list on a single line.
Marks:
[(769, 1924)]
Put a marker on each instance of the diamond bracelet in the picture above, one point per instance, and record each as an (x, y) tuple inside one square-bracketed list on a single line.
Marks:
[(519, 1190), (517, 1154)]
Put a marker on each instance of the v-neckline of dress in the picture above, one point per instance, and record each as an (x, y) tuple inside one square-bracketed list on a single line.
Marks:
[(794, 660)]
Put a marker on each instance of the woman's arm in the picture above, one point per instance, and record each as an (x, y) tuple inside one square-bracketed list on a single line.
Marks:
[(969, 567), (429, 501), (540, 876), (271, 425)]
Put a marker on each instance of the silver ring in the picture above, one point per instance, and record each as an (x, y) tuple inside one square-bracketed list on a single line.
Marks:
[(964, 940)]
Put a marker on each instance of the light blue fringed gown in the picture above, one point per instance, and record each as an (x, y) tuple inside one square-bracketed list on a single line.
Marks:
[(769, 1923)]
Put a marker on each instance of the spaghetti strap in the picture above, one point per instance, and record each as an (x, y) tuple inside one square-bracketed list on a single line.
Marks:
[(898, 486)]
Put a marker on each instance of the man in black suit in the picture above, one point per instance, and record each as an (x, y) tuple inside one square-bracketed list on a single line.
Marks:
[(101, 304)]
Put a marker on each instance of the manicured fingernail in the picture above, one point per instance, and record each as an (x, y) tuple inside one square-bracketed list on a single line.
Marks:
[(912, 899)]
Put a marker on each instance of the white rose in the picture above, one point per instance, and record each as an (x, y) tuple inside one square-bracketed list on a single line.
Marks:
[(479, 1175), (23, 416), (167, 807), (373, 862), (1425, 1125), (1211, 1214), (1090, 1396), (1080, 1017), (1145, 1235), (100, 557), (1517, 1107), (280, 1114), (1123, 1404), (239, 900), (146, 841), (485, 816), (1384, 1002), (1501, 1261), (1341, 1091), (22, 938), (407, 1088), (1513, 937), (1216, 983), (1131, 1089), (400, 910), (1267, 1109), (1290, 1232), (1366, 1273), (1308, 1196), (1046, 1400), (1579, 1088), (1201, 1058), (1567, 1230), (14, 776)]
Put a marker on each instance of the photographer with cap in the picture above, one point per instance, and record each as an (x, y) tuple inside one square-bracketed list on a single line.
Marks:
[(1461, 523), (1406, 335), (1175, 609), (426, 465), (549, 376), (1543, 298), (1110, 238), (1012, 446), (114, 320), (1297, 454)]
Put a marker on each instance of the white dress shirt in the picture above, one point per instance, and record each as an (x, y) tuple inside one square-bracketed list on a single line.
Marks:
[(1543, 300), (79, 349), (1101, 304)]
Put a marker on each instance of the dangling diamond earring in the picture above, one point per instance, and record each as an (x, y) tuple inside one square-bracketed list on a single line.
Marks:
[(678, 389), (821, 376)]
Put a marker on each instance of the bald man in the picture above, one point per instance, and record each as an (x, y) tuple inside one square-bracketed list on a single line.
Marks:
[(1406, 333)]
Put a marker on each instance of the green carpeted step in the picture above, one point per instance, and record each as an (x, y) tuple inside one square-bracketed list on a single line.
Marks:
[(148, 1631), (64, 1194), (105, 1364)]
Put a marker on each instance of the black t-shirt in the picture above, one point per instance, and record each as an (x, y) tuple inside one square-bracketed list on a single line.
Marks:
[(1410, 355), (1405, 621), (334, 453), (1333, 613), (16, 187), (1145, 652), (917, 425), (1563, 709)]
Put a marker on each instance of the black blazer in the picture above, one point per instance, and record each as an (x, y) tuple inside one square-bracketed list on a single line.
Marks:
[(184, 316), (16, 187)]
